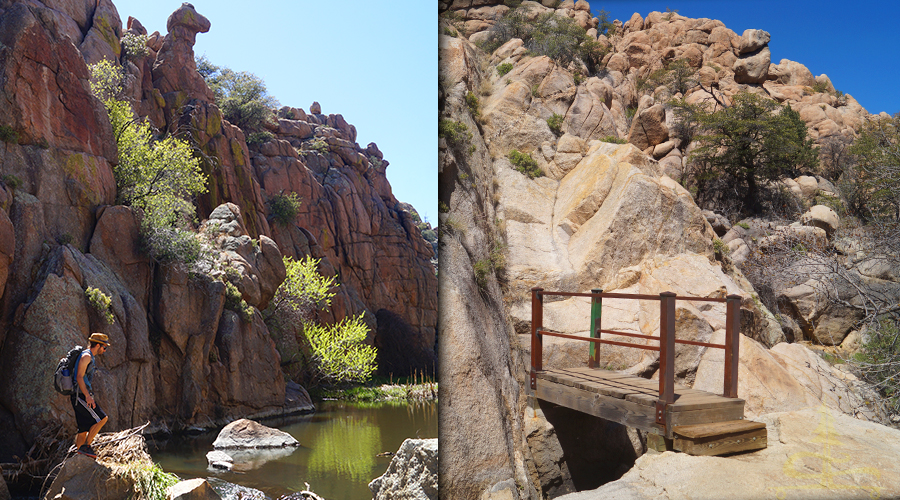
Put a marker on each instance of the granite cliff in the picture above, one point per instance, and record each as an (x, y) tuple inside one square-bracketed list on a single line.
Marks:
[(180, 358), (604, 205)]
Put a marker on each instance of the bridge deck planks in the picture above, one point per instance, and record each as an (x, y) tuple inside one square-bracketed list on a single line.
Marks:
[(631, 400)]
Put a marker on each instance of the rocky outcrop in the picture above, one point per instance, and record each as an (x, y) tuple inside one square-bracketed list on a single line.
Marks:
[(815, 453), (412, 473), (244, 433)]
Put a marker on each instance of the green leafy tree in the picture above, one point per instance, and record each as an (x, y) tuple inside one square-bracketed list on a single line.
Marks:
[(334, 354), (303, 291), (241, 95), (157, 175), (339, 352), (877, 155), (753, 141)]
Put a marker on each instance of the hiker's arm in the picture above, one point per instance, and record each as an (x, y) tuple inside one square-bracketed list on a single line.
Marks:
[(82, 367)]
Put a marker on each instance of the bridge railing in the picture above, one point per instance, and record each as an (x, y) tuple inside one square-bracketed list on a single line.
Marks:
[(666, 339)]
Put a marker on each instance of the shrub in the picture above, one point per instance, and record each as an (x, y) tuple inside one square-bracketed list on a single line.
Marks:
[(101, 303), (106, 81), (318, 145), (613, 139), (442, 207), (878, 359), (481, 268), (504, 68), (720, 247), (234, 301), (135, 46), (11, 181), (578, 78), (535, 90), (555, 123), (820, 87), (303, 290), (284, 208), (172, 245), (743, 225), (8, 134), (259, 137), (242, 96), (450, 32), (525, 164), (472, 102), (339, 352), (150, 481), (456, 133)]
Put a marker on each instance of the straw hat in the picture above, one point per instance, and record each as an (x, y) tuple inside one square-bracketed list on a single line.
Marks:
[(99, 337)]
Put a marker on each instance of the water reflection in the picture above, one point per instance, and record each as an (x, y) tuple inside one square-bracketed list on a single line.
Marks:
[(336, 456), (245, 460), (346, 446)]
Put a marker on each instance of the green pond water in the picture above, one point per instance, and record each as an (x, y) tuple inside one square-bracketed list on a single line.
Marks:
[(337, 456)]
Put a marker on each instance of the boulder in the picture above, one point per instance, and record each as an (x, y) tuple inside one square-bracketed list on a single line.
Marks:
[(814, 453), (412, 473), (117, 242), (246, 433), (649, 127), (192, 489), (821, 318), (83, 477), (791, 73), (822, 217), (808, 185), (752, 67), (753, 40), (718, 222), (785, 378)]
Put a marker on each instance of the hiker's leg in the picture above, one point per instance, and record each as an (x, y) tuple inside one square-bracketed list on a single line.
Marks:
[(80, 439), (95, 429)]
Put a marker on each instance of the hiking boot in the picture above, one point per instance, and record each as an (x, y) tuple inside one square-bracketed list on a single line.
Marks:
[(87, 451)]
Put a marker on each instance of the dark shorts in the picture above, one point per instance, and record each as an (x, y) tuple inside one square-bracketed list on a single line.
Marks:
[(85, 416)]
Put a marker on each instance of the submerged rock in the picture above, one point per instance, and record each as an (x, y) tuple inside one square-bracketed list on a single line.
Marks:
[(246, 433)]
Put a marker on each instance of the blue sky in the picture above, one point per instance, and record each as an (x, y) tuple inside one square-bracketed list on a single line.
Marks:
[(855, 43), (374, 63)]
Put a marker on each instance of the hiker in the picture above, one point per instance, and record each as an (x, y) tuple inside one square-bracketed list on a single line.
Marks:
[(88, 414)]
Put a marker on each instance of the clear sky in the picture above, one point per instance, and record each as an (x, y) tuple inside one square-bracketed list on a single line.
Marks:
[(375, 63), (854, 42)]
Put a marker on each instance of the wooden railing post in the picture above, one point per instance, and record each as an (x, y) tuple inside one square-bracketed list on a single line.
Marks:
[(596, 311), (537, 323), (666, 355), (732, 344)]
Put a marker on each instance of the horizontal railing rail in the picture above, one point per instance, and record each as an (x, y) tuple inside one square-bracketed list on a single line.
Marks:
[(666, 338)]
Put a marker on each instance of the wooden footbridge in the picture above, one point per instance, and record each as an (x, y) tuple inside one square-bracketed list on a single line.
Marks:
[(676, 417)]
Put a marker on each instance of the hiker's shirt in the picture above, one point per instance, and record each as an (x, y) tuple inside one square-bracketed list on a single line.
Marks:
[(88, 373)]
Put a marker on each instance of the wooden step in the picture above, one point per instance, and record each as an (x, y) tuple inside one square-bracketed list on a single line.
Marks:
[(719, 438)]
